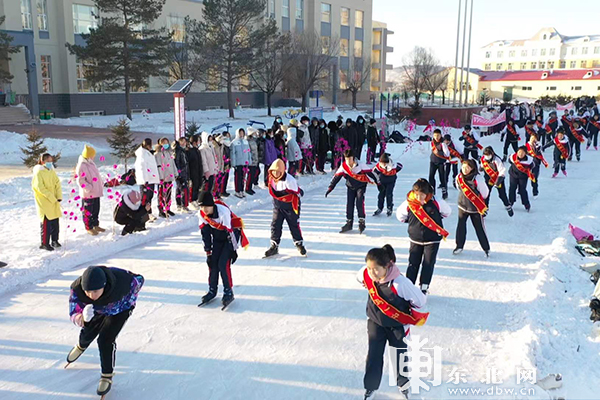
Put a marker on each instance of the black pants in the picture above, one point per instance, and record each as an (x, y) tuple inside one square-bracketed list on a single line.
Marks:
[(543, 136), (474, 153), (562, 165), (378, 336), (454, 168), (536, 173), (501, 193), (209, 184), (440, 169), (106, 328), (293, 221), (196, 186), (238, 176), (165, 193), (293, 168), (386, 193), (220, 183), (253, 172), (182, 193), (593, 138), (220, 265), (91, 209), (574, 143), (147, 195), (359, 149), (306, 164), (515, 146), (355, 198), (521, 184), (478, 224), (421, 257), (321, 157), (49, 230), (131, 223), (371, 154)]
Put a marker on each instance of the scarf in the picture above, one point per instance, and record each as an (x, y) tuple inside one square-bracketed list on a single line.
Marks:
[(236, 223), (471, 140), (470, 194), (551, 121), (291, 197), (417, 209), (436, 151), (385, 172), (361, 177), (522, 168)]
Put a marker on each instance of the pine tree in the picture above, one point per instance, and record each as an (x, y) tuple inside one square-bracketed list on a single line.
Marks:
[(5, 50), (122, 142), (192, 129), (123, 51), (34, 149)]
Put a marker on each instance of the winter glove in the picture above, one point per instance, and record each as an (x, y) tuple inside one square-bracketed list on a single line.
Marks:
[(399, 167), (502, 137), (499, 182), (301, 192), (234, 257), (88, 313), (461, 138)]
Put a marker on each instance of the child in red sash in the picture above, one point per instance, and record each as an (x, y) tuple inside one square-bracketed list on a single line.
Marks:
[(286, 206), (593, 129), (470, 139), (511, 131), (472, 194), (494, 174), (385, 171), (390, 311), (357, 177), (440, 155), (534, 149), (425, 230), (222, 235), (561, 151), (578, 135), (520, 173), (455, 158)]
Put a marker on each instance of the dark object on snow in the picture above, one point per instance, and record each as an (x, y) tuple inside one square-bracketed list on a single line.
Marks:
[(397, 137), (127, 179), (588, 247), (595, 277), (595, 307), (3, 264)]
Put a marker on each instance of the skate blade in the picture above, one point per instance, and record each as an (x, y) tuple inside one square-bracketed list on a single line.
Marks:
[(67, 364), (208, 302), (226, 305)]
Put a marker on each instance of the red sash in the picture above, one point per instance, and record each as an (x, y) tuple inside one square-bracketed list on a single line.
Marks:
[(292, 198), (385, 172), (423, 217), (531, 131), (595, 123), (471, 140), (512, 131), (522, 168), (567, 121), (436, 152), (564, 151), (490, 171), (413, 318), (359, 177), (539, 124), (549, 129), (236, 223), (577, 135), (454, 153), (470, 194), (531, 151)]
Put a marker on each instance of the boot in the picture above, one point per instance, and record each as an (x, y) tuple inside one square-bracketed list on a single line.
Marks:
[(251, 192), (273, 250), (55, 244), (227, 298), (361, 225), (377, 212), (92, 232), (510, 211), (301, 248), (554, 175), (162, 214), (225, 194), (389, 212), (565, 172), (207, 298), (100, 230), (424, 288), (347, 227), (457, 251), (105, 384), (504, 158), (369, 394), (46, 247), (75, 353), (238, 195), (171, 213)]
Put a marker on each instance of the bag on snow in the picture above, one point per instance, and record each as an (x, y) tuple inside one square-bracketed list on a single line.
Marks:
[(580, 234)]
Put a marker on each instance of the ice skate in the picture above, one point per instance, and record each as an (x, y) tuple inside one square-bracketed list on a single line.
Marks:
[(301, 248), (389, 212), (369, 394), (361, 225), (227, 299), (208, 297), (105, 384), (457, 251), (377, 212), (347, 227), (74, 355), (510, 211), (272, 251)]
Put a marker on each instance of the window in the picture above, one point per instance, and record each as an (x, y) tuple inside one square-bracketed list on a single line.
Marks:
[(575, 87), (488, 67), (523, 65), (533, 65), (343, 79), (542, 52), (377, 37), (552, 52), (42, 12), (511, 53), (563, 64), (573, 64), (499, 66), (584, 50), (359, 17), (542, 64), (534, 52), (551, 64), (177, 28), (82, 84), (500, 54), (550, 87), (488, 54), (574, 51), (285, 9), (358, 48), (299, 9), (46, 74), (344, 47), (325, 43), (523, 53), (325, 12), (597, 50), (376, 75), (345, 15), (376, 56), (583, 64), (526, 88), (271, 8), (83, 18), (545, 36), (26, 15), (510, 67)]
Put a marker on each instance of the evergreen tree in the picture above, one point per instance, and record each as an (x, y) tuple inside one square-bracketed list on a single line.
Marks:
[(192, 129), (122, 142), (5, 51), (35, 148), (124, 52)]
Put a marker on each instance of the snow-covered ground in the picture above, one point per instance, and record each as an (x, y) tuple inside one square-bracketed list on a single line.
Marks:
[(297, 329)]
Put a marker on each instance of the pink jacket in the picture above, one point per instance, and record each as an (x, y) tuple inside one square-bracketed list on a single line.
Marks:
[(88, 179)]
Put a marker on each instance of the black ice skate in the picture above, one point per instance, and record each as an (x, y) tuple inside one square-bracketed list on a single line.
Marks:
[(369, 394), (361, 225), (389, 212), (227, 299), (208, 297), (301, 248), (272, 251), (347, 227), (377, 212)]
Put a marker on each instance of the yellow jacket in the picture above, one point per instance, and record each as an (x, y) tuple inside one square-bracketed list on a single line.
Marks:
[(47, 192)]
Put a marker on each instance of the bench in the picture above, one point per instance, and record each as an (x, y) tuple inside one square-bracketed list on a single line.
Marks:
[(213, 107), (91, 113), (140, 110)]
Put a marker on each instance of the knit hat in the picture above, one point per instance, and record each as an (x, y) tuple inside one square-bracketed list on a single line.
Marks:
[(206, 199), (294, 122), (277, 166), (372, 121), (88, 152), (93, 278)]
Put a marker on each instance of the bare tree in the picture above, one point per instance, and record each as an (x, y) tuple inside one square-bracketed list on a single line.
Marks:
[(438, 81), (356, 77), (418, 64), (274, 62), (183, 59), (313, 56)]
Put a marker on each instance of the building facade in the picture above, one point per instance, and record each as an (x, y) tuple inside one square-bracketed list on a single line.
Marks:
[(547, 49), (379, 52), (44, 65)]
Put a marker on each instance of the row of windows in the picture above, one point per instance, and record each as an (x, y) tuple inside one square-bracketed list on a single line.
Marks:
[(542, 65), (359, 15), (42, 14), (524, 53)]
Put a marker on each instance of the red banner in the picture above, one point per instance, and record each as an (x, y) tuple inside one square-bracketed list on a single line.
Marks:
[(478, 120)]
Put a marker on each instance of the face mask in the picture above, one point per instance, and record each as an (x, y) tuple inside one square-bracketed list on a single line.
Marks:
[(49, 165), (278, 120), (322, 126), (165, 146), (488, 157)]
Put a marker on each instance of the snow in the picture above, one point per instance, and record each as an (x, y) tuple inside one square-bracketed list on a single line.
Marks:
[(297, 329), (10, 151)]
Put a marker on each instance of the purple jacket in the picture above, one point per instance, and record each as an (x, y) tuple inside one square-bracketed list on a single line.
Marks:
[(270, 152)]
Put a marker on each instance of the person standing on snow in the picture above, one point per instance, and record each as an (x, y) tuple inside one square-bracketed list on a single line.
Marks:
[(48, 195), (209, 162), (303, 139), (167, 172), (361, 135), (90, 190), (241, 158), (293, 152), (195, 168), (146, 173), (182, 195), (440, 154), (372, 140)]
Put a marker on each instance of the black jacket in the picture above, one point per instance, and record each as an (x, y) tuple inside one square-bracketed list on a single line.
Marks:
[(194, 164), (323, 144), (181, 162), (122, 214), (118, 285), (372, 137), (313, 132), (349, 133), (417, 232), (361, 134), (387, 294)]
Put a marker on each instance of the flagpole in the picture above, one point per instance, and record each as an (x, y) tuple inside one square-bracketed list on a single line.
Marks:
[(462, 58), (456, 57), (469, 54)]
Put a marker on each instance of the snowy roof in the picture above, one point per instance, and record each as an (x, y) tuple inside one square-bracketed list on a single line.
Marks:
[(550, 75), (552, 35)]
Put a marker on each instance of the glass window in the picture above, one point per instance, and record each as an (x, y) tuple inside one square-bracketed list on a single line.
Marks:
[(299, 9), (345, 14), (563, 64), (500, 54), (552, 52), (343, 79), (359, 16), (488, 67), (83, 85), (375, 56), (358, 48), (42, 14), (26, 21), (377, 37), (542, 64), (511, 53), (46, 69), (523, 53), (376, 75), (533, 65), (534, 52), (285, 9), (574, 51), (326, 42), (523, 65), (510, 66), (83, 18), (325, 12), (573, 64), (344, 47), (488, 54), (177, 28), (498, 66), (583, 64), (584, 50), (542, 52), (271, 10), (551, 64)]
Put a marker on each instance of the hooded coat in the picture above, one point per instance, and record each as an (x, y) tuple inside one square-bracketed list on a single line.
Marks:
[(146, 170), (349, 133), (293, 152), (240, 151), (209, 161), (47, 192), (165, 161), (88, 179)]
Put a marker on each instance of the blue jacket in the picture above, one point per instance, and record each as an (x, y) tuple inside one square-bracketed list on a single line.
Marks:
[(240, 155)]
